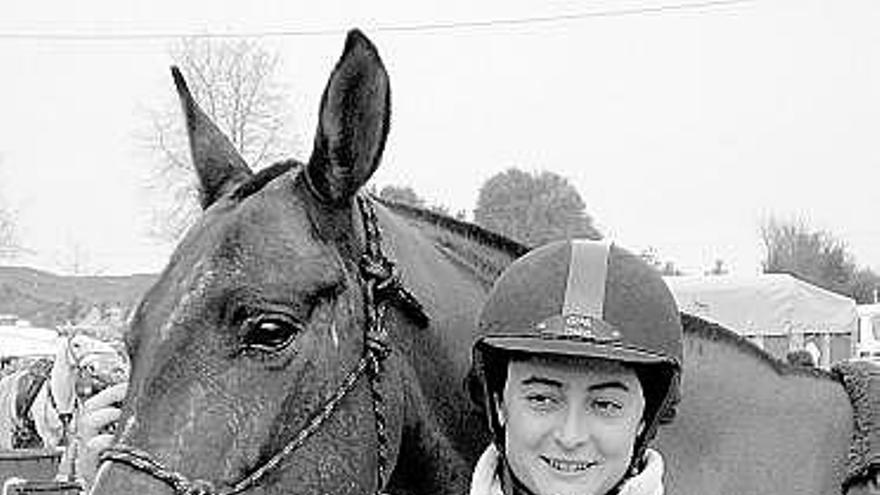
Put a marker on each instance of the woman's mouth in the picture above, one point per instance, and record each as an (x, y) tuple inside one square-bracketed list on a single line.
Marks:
[(567, 466)]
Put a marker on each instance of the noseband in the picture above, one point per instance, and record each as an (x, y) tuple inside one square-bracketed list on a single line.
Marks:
[(380, 285)]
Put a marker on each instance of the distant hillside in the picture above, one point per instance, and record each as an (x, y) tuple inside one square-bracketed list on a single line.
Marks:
[(46, 299)]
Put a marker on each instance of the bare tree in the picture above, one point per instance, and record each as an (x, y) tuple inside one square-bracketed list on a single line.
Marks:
[(234, 82), (816, 256), (9, 241), (74, 258)]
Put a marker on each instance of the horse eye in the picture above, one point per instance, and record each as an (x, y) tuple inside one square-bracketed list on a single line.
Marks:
[(270, 333)]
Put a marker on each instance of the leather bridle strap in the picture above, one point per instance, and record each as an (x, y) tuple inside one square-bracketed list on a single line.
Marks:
[(380, 285)]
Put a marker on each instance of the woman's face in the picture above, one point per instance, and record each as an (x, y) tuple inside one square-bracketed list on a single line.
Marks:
[(570, 423)]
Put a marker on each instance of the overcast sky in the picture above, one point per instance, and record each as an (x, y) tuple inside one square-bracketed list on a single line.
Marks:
[(681, 128)]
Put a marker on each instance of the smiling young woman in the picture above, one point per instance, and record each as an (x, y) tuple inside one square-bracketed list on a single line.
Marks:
[(579, 357)]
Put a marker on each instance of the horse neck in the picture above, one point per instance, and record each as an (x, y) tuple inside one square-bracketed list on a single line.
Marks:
[(62, 381)]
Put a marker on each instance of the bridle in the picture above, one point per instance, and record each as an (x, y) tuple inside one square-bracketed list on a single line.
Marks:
[(65, 417), (380, 285)]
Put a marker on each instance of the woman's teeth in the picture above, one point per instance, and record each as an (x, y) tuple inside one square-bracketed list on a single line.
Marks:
[(568, 466)]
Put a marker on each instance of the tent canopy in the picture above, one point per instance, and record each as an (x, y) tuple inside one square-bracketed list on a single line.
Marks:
[(27, 341), (767, 304)]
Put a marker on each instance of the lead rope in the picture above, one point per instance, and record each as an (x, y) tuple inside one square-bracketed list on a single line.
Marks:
[(381, 285), (378, 274)]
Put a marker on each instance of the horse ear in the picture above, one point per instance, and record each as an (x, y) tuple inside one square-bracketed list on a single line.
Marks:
[(352, 124), (218, 165)]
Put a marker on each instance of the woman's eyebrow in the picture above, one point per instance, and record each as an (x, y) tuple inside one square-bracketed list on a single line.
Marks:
[(540, 380), (613, 384)]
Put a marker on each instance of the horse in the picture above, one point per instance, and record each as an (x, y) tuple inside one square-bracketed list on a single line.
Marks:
[(38, 403), (307, 338)]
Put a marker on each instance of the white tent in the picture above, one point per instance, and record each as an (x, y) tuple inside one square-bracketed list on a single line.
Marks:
[(769, 306), (16, 341)]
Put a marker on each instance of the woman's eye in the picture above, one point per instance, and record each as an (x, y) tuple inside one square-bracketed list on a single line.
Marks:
[(541, 401), (608, 407), (270, 333)]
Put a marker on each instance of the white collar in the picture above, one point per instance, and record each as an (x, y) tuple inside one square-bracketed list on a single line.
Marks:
[(650, 480)]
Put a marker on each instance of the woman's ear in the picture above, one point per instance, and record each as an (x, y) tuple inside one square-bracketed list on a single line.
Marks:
[(641, 428)]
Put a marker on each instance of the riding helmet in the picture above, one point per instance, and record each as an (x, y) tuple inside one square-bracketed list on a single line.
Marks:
[(582, 298)]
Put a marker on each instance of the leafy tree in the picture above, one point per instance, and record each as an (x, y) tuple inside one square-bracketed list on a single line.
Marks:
[(408, 196), (533, 208), (815, 256), (402, 194), (233, 81)]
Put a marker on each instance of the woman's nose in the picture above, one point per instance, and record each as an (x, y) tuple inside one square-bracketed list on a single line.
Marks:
[(573, 429)]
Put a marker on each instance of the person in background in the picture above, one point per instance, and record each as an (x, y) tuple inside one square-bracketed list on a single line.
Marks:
[(93, 434), (578, 359)]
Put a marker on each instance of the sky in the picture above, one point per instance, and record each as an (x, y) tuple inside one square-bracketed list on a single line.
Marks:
[(683, 128)]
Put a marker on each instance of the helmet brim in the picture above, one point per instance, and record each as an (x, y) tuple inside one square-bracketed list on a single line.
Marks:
[(574, 348)]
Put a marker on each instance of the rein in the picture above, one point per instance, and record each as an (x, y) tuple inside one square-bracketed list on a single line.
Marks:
[(380, 285)]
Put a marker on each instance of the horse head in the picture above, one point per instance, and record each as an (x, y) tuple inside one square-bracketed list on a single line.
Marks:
[(256, 324), (82, 367), (97, 365)]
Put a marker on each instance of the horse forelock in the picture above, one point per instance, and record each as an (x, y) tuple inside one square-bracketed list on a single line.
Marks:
[(263, 177)]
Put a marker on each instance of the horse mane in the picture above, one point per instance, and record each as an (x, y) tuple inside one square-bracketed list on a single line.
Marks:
[(263, 177), (466, 229), (713, 332), (465, 244)]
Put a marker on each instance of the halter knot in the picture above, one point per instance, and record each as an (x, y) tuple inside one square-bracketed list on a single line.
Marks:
[(375, 268), (377, 352)]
